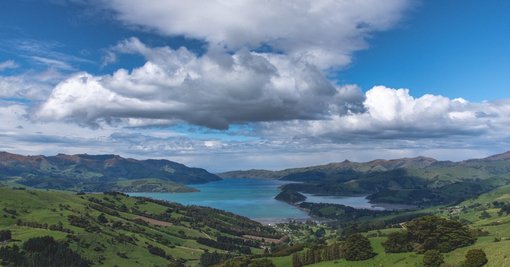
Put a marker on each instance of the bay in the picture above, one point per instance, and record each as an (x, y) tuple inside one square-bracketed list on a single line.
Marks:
[(254, 198)]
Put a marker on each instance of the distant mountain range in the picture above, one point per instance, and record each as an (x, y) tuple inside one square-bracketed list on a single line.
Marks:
[(418, 181), (378, 165), (99, 173)]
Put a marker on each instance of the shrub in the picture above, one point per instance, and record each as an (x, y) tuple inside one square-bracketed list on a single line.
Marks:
[(432, 258), (475, 258), (261, 263), (432, 232), (157, 251), (357, 247), (5, 235), (397, 242)]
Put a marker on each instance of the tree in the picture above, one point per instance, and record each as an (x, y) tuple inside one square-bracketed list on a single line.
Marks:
[(5, 235), (397, 242), (475, 258), (157, 251), (262, 263), (432, 258), (102, 218), (320, 232), (432, 232), (296, 260), (42, 251), (357, 247)]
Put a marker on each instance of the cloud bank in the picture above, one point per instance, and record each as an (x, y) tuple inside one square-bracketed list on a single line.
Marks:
[(214, 90), (324, 32), (393, 114)]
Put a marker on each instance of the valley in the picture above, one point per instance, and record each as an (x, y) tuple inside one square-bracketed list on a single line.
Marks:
[(307, 217)]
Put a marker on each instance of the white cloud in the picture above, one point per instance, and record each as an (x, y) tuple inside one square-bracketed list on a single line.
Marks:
[(214, 90), (324, 32), (29, 86), (393, 114), (8, 64)]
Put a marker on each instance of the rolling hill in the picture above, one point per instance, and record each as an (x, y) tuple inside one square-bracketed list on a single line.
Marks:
[(113, 229), (418, 181), (98, 173)]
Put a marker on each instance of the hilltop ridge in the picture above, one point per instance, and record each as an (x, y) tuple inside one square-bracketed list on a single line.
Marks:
[(100, 172)]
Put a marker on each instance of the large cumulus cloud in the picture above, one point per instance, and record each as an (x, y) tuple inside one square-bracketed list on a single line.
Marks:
[(325, 32), (214, 90), (393, 114)]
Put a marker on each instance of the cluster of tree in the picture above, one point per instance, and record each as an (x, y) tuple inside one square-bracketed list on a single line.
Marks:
[(430, 233), (290, 196), (10, 212), (83, 222), (286, 250), (356, 247), (210, 259), (229, 260), (247, 262), (339, 212), (239, 241), (53, 227), (5, 235), (347, 228), (504, 209), (474, 258), (224, 246), (41, 251), (432, 258), (316, 254), (157, 251)]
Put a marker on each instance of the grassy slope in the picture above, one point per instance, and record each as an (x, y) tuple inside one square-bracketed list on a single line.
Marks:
[(498, 253), (46, 207)]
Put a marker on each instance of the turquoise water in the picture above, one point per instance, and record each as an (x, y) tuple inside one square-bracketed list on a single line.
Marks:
[(253, 198)]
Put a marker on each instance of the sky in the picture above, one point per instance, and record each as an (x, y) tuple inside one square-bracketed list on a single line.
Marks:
[(247, 84)]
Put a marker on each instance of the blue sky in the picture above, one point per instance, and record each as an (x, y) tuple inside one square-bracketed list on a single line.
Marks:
[(455, 48), (274, 86)]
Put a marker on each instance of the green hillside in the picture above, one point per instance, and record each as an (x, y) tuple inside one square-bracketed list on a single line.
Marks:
[(416, 181), (99, 173), (116, 230)]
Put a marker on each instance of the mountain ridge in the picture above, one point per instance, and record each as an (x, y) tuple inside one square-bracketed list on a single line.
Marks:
[(96, 172), (419, 162)]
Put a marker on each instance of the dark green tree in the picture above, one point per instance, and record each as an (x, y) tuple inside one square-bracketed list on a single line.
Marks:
[(357, 247), (102, 218), (296, 260), (5, 235), (397, 242), (432, 232), (262, 263), (432, 258), (475, 258)]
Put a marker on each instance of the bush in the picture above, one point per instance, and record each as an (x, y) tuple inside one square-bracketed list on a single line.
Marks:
[(434, 233), (5, 235), (41, 251), (475, 258), (357, 247), (157, 251), (397, 242), (432, 258), (262, 263), (102, 218)]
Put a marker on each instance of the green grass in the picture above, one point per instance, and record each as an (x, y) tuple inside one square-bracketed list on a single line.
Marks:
[(498, 226), (103, 249)]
